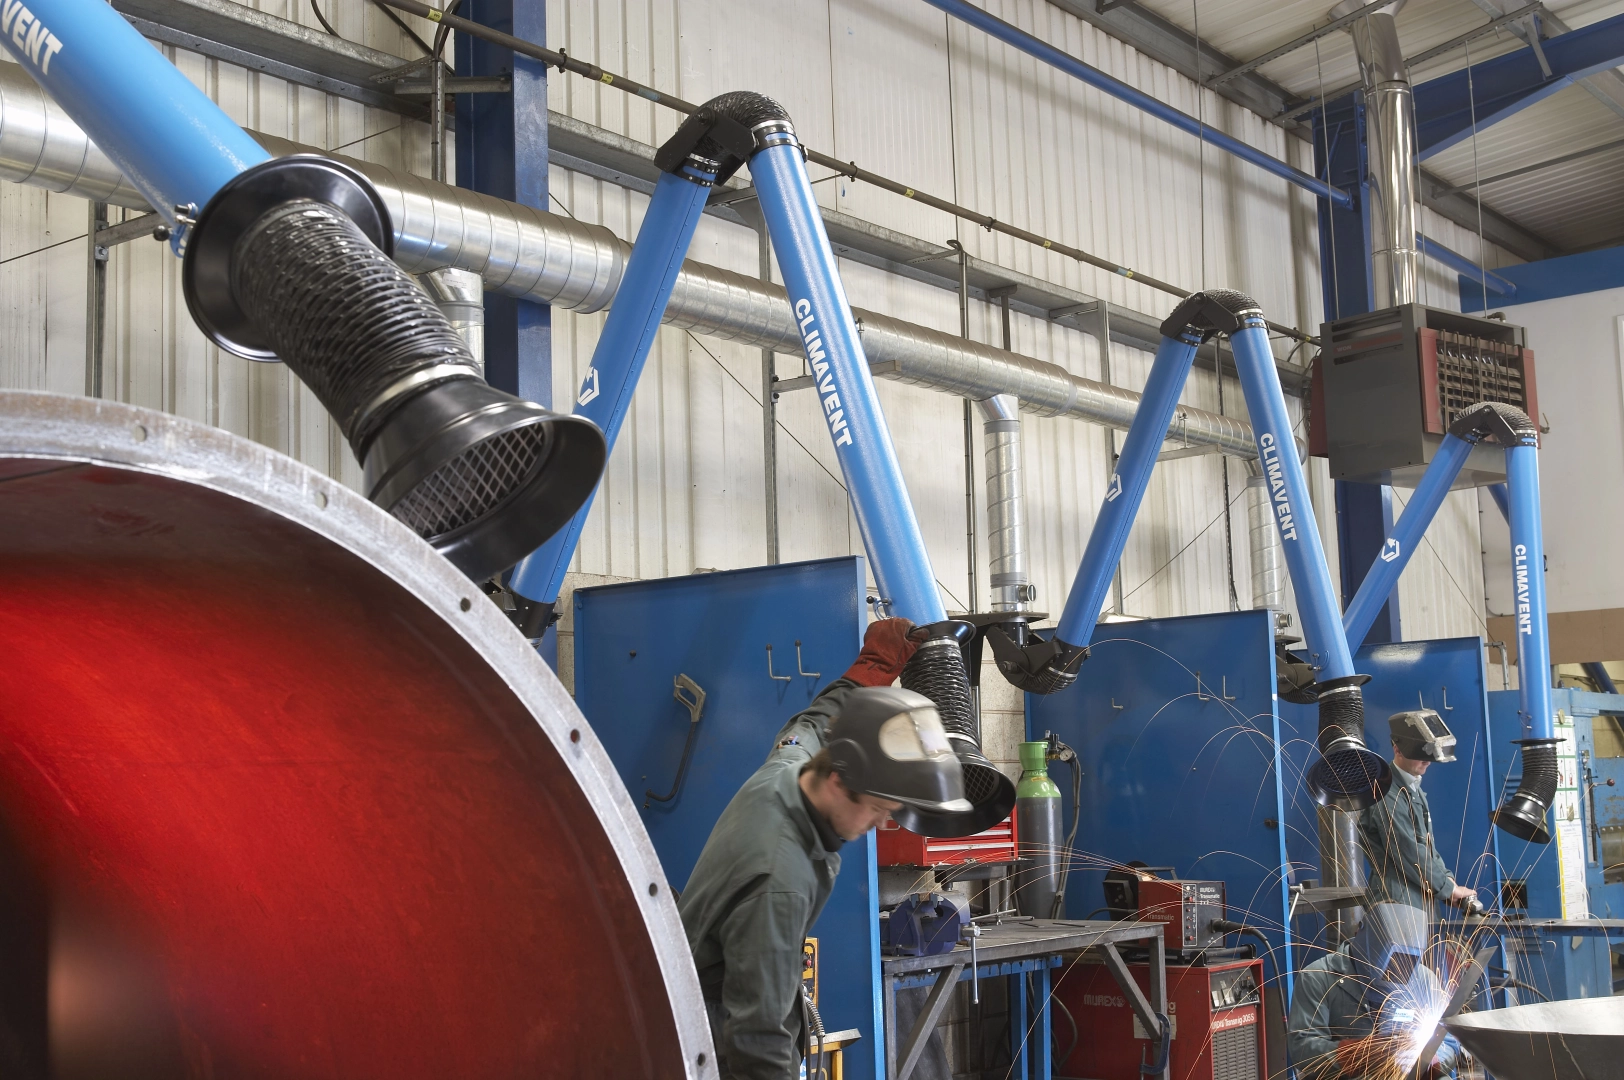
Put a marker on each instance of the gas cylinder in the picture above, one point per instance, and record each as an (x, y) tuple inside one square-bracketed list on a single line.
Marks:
[(1037, 820)]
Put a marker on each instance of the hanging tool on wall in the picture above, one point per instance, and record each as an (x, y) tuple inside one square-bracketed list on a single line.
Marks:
[(691, 697)]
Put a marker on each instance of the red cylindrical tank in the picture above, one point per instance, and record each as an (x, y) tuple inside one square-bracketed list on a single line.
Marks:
[(282, 794)]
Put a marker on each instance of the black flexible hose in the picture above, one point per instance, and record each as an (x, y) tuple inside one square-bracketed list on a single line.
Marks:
[(342, 315)]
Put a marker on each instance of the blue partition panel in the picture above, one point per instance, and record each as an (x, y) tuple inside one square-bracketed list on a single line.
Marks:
[(631, 640), (1446, 675), (1181, 770)]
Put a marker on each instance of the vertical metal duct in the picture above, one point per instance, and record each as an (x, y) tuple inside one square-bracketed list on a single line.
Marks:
[(1268, 564), (460, 296), (1010, 585), (1390, 138)]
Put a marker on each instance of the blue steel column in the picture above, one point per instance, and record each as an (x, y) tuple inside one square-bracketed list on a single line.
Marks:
[(502, 151), (1363, 511), (617, 362), (851, 408), (1294, 513), (175, 145), (1383, 574), (1168, 374)]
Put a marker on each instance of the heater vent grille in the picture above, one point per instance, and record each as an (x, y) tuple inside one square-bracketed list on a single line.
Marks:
[(1473, 369), (473, 483)]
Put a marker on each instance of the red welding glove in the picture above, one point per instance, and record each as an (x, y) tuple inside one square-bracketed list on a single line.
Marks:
[(886, 649)]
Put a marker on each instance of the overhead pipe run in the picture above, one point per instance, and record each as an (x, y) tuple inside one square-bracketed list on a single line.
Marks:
[(527, 253), (1093, 76)]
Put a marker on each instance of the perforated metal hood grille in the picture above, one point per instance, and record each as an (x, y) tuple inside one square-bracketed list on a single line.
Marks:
[(473, 483)]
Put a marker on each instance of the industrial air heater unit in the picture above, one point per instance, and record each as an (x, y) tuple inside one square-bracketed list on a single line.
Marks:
[(1389, 383), (282, 794)]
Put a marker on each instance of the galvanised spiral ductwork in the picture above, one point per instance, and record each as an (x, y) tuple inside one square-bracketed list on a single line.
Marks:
[(523, 252)]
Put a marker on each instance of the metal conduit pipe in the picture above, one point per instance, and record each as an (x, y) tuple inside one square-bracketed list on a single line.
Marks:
[(460, 296), (1008, 577), (1268, 564), (1390, 126), (524, 252)]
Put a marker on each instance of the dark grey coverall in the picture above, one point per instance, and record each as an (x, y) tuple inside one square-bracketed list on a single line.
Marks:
[(759, 885), (1327, 1006), (1397, 837)]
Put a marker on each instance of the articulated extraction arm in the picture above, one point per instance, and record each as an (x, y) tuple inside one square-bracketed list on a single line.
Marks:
[(289, 259), (1349, 775)]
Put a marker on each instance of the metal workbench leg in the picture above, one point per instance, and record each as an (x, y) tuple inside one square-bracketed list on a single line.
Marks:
[(1137, 1001), (1017, 1026), (888, 995), (935, 1005), (1042, 1065), (1158, 987)]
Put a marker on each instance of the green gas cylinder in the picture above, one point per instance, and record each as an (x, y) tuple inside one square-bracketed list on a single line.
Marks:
[(1037, 825)]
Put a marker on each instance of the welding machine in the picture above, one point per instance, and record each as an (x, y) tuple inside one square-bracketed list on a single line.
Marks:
[(1187, 908), (1216, 1013)]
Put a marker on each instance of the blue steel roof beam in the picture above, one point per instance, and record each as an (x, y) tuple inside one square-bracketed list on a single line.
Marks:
[(1508, 84), (1606, 87)]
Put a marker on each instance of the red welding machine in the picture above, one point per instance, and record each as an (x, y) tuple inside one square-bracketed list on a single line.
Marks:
[(1216, 1014), (1187, 908)]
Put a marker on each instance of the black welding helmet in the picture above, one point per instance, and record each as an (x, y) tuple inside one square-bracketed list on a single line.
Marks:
[(889, 743), (1422, 735)]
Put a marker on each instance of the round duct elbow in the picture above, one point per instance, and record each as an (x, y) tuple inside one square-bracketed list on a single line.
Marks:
[(937, 670), (1525, 811), (291, 261)]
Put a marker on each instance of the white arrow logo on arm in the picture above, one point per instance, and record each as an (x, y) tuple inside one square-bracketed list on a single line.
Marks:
[(589, 387), (1115, 489), (1390, 551)]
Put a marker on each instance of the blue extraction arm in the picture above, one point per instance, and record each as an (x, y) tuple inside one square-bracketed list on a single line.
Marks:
[(288, 259), (708, 148), (1348, 776)]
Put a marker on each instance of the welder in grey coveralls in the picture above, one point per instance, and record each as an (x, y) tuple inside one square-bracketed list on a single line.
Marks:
[(837, 770), (1396, 832)]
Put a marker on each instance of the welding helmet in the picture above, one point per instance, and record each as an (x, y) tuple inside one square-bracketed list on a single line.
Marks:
[(1422, 735), (1389, 946), (889, 743)]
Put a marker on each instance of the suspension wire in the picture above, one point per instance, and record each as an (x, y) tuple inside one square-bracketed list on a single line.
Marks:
[(1201, 148), (1330, 207), (1477, 188)]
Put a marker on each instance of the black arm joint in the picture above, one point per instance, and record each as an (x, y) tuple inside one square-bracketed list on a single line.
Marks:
[(1038, 667), (1211, 312), (708, 140), (533, 617), (1495, 422)]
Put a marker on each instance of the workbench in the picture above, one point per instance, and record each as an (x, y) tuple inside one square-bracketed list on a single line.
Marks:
[(1016, 949)]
